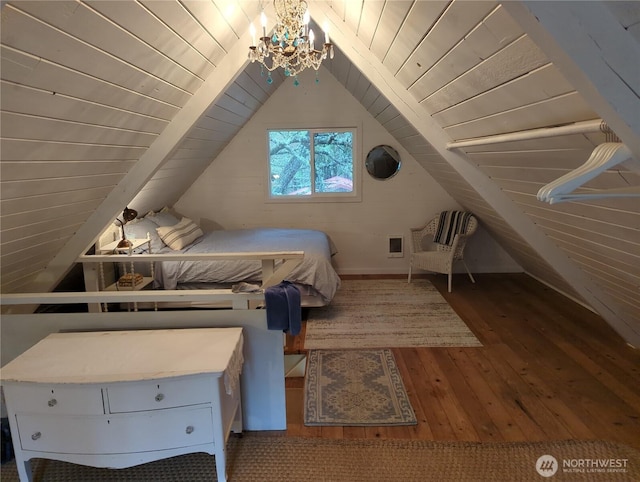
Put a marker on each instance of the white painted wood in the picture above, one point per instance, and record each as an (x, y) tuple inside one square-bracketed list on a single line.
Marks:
[(458, 19), (27, 127), (187, 27), (51, 151), (495, 32), (146, 166), (38, 234), (133, 17), (49, 43), (25, 69), (570, 141), (352, 14), (263, 370), (35, 187), (518, 58), (114, 258), (21, 170), (91, 437), (566, 108), (532, 58), (548, 158), (212, 20), (45, 89), (535, 86), (624, 263), (370, 18), (16, 206), (14, 228), (574, 231), (537, 175), (580, 210), (592, 49), (418, 22), (199, 395), (54, 400), (38, 102)]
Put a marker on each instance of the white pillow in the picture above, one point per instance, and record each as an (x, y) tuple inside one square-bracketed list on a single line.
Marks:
[(180, 235)]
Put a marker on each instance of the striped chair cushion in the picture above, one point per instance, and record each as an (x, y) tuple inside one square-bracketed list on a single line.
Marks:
[(180, 235), (450, 224)]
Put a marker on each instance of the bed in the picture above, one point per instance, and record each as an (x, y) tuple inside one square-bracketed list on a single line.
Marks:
[(314, 276)]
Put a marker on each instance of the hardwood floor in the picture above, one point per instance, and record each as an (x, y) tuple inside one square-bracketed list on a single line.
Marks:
[(549, 369)]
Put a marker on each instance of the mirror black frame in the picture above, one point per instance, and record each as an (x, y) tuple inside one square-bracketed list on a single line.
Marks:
[(383, 162)]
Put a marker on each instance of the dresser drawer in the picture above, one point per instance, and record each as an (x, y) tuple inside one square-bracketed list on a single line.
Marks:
[(159, 394), (55, 399), (124, 433)]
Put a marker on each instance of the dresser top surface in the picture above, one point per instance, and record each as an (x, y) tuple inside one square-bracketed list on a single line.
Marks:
[(115, 356)]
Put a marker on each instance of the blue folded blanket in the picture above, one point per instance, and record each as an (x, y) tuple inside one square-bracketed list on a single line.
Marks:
[(284, 311), (450, 224)]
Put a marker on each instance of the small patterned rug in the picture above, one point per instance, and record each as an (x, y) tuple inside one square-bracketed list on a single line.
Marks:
[(355, 388), (387, 313)]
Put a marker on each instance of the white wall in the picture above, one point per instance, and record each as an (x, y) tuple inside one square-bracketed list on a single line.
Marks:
[(233, 190)]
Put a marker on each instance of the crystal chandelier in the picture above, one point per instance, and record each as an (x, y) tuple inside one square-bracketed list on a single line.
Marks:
[(292, 45)]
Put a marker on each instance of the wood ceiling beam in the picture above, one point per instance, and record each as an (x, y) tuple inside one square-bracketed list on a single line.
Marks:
[(392, 89)]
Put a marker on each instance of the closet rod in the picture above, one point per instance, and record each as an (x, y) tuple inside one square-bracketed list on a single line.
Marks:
[(576, 128)]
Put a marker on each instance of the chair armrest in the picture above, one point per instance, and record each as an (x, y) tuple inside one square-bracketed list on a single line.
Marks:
[(417, 235), (459, 243)]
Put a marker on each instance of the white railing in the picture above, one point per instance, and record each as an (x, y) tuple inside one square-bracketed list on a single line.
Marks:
[(275, 267)]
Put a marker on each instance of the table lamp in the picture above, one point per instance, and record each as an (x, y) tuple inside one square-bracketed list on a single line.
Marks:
[(127, 215)]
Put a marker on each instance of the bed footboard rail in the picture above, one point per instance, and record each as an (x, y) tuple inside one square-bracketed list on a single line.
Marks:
[(276, 265)]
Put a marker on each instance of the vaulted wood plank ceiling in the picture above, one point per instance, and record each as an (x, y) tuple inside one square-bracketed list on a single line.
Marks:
[(104, 101)]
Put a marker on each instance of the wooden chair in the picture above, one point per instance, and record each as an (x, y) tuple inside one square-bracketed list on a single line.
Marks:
[(442, 258)]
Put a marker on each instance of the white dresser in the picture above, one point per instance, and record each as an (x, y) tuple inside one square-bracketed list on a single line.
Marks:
[(122, 398)]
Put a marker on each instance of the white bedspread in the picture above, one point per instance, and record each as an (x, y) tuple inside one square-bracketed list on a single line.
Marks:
[(315, 270)]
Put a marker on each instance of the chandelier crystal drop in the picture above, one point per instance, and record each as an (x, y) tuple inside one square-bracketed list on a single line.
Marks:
[(292, 44)]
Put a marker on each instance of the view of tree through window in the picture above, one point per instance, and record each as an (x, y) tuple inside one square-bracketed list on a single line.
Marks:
[(310, 162)]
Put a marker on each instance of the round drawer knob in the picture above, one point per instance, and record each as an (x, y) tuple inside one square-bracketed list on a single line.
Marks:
[(36, 436), (159, 397), (52, 403), (189, 429)]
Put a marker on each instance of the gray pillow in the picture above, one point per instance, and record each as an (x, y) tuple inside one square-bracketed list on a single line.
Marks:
[(139, 228)]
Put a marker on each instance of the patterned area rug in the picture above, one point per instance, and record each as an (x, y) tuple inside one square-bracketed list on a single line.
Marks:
[(355, 388), (386, 313), (268, 458)]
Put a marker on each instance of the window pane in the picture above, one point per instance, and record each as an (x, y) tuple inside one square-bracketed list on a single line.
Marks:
[(289, 163), (333, 157)]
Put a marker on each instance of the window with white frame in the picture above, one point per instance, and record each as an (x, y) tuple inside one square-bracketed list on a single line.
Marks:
[(312, 164)]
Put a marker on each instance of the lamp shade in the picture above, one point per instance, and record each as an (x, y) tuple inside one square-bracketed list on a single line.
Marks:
[(129, 214)]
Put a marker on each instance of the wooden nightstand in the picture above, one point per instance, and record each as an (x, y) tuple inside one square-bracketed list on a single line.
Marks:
[(125, 268)]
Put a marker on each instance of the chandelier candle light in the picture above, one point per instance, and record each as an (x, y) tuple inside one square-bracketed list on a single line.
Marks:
[(292, 45)]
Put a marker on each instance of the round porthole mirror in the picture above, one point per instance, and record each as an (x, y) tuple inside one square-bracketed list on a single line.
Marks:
[(383, 162)]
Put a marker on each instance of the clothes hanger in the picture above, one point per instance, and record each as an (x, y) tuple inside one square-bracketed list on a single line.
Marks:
[(631, 191), (603, 157)]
